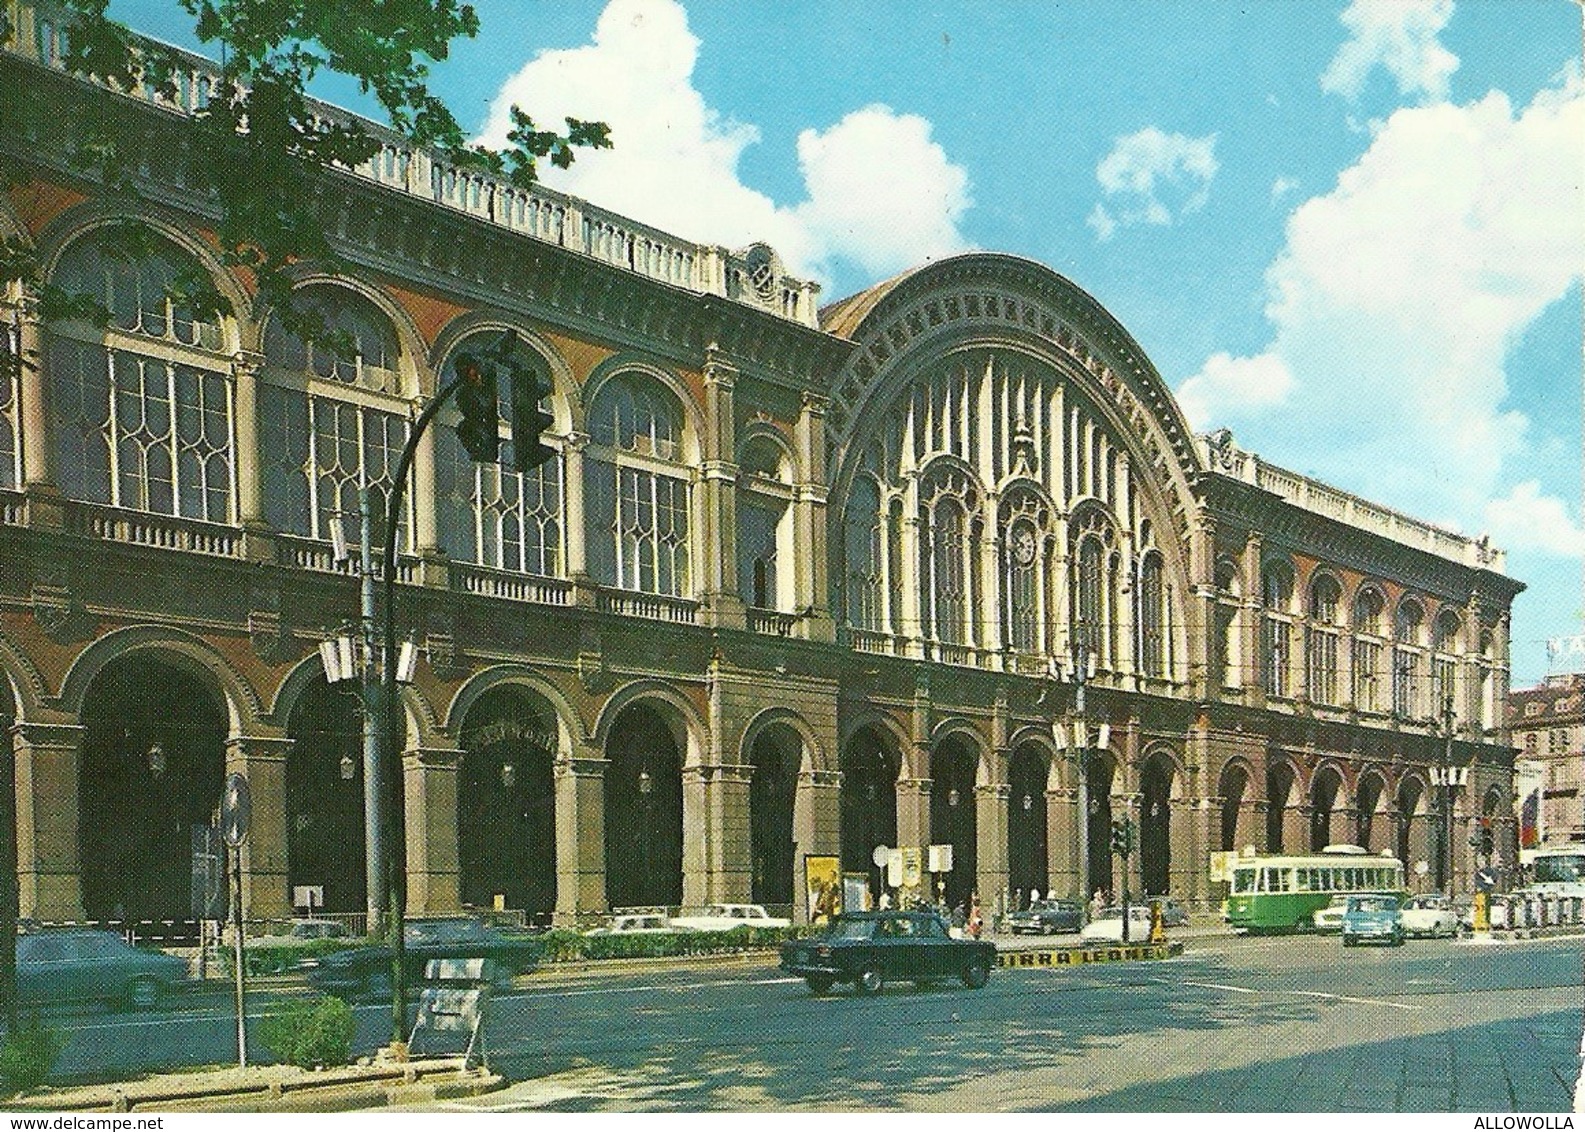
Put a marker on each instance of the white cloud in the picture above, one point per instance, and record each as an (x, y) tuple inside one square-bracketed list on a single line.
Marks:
[(879, 191), (1152, 177), (1400, 36), (1525, 519), (1400, 293), (1235, 387), (1281, 187)]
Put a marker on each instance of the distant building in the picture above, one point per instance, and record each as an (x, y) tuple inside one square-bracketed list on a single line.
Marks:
[(798, 581), (1547, 723)]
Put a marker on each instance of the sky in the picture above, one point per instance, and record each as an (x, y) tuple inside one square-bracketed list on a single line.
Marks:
[(1351, 231)]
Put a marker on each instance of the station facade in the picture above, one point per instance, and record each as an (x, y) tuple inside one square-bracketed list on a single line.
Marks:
[(798, 581)]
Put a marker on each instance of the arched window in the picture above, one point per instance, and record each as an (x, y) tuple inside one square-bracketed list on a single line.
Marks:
[(1152, 617), (764, 526), (1368, 610), (1444, 649), (142, 408), (488, 513), (1090, 608), (1321, 637), (637, 498), (1229, 614), (331, 421), (1024, 521), (1407, 673), (1276, 588), (947, 551), (864, 546)]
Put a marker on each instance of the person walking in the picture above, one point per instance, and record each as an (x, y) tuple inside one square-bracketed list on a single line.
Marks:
[(976, 920)]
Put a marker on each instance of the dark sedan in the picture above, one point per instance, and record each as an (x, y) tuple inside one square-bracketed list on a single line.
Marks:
[(1046, 917), (868, 949), (82, 965), (365, 972)]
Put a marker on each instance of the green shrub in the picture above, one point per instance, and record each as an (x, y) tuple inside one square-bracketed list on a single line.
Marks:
[(312, 1034), (562, 945), (27, 1057)]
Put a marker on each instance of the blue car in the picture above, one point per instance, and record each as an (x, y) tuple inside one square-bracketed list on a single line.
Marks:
[(1372, 917)]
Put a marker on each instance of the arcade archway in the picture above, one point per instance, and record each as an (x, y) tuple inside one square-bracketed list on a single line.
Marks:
[(324, 798), (869, 798), (643, 811), (953, 820), (777, 756), (1027, 867), (1155, 826)]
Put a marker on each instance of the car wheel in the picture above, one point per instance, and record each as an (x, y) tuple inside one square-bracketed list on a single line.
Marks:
[(818, 984), (870, 981), (976, 974), (143, 993)]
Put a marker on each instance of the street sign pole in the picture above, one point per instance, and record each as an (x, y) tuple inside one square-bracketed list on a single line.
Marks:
[(236, 809)]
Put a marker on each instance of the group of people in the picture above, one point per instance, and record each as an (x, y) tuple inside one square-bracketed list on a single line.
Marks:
[(970, 919)]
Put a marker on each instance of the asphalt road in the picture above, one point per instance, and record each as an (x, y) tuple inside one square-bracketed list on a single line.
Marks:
[(1284, 1024)]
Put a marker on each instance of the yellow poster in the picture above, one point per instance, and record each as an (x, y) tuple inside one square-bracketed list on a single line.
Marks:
[(823, 887)]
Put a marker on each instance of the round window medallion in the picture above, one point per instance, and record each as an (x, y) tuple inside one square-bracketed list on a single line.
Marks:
[(1024, 546), (759, 264)]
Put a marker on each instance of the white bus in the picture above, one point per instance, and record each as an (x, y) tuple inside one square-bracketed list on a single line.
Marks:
[(1557, 870)]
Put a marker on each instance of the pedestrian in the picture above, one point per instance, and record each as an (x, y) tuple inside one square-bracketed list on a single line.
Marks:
[(976, 923), (1097, 904), (886, 900), (1034, 897)]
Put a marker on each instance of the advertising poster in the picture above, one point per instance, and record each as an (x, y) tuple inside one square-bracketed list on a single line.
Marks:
[(822, 887), (855, 892)]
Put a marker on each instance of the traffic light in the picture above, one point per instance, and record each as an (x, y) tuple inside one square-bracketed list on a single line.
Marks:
[(1122, 837), (529, 421), (477, 400)]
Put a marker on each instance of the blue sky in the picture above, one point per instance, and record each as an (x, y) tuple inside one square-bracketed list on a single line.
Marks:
[(1349, 231)]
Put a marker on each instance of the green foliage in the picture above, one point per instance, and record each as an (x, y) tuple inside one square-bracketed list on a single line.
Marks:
[(313, 1034), (260, 140), (562, 946), (27, 1057)]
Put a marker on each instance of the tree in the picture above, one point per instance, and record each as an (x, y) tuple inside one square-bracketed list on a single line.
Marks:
[(259, 139)]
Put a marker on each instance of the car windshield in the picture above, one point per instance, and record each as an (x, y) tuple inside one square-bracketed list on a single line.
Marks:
[(444, 931), (1373, 904), (842, 928)]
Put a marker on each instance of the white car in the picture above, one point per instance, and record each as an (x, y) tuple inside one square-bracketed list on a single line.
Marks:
[(1108, 926), (1330, 918), (635, 923), (1429, 916), (725, 917)]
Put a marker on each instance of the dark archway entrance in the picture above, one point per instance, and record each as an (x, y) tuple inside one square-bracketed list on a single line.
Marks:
[(506, 803), (1279, 788), (1323, 803), (1409, 805), (777, 756), (1099, 826), (153, 766), (869, 800), (1235, 782), (1026, 823), (1369, 831), (324, 798), (1155, 826), (952, 814), (643, 811)]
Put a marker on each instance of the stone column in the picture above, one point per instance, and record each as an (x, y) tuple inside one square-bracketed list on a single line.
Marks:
[(433, 870), (729, 863), (262, 760), (577, 532), (909, 629), (817, 828), (1062, 843), (249, 458), (913, 812), (37, 435), (696, 835), (718, 483), (985, 632), (49, 882), (812, 586), (1296, 828), (990, 843), (580, 835), (426, 537), (1185, 835)]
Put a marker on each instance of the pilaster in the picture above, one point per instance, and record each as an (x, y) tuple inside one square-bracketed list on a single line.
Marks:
[(262, 761), (580, 835), (433, 870), (49, 879)]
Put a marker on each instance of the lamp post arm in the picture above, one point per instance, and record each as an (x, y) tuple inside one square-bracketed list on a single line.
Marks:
[(396, 877)]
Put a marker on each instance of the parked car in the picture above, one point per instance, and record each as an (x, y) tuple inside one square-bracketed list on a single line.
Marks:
[(1046, 917), (635, 923), (284, 951), (725, 917), (1108, 926), (869, 949), (365, 972), (1173, 914), (1372, 917), (80, 965), (1330, 918), (1429, 915)]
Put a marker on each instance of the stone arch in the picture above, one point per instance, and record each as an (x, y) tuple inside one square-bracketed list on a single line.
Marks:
[(682, 718), (1030, 771), (1161, 785), (1038, 735), (645, 737), (872, 757), (184, 650), (1370, 810), (324, 790), (779, 747), (815, 757), (28, 690), (566, 400), (687, 404), (1283, 782), (766, 436), (1328, 787), (571, 732), (900, 742), (416, 378), (984, 771), (957, 765), (1236, 787), (1411, 800)]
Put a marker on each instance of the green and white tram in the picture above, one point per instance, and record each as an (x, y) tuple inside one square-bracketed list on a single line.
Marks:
[(1282, 893)]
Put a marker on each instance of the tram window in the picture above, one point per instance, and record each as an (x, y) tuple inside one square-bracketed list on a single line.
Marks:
[(1243, 880)]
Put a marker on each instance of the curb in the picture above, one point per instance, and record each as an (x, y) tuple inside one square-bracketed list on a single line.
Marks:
[(1077, 956), (276, 1088)]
